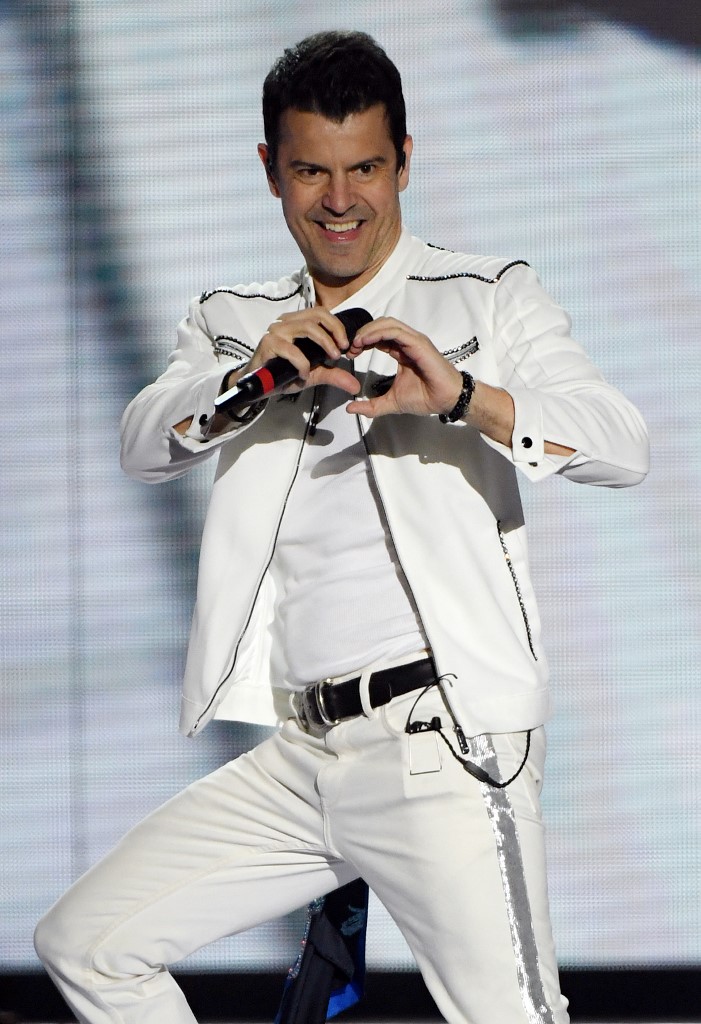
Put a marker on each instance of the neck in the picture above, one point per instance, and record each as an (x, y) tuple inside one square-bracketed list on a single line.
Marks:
[(331, 294), (331, 291)]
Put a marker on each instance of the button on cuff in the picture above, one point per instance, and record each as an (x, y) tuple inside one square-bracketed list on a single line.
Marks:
[(527, 444)]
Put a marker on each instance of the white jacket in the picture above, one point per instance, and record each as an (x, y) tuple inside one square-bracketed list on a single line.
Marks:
[(450, 495)]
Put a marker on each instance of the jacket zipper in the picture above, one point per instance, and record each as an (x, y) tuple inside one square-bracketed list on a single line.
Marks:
[(517, 588), (269, 560)]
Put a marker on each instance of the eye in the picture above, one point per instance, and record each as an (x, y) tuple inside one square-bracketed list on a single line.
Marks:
[(364, 170), (309, 173)]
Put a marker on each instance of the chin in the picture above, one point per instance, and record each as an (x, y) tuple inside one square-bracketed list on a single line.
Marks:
[(337, 272)]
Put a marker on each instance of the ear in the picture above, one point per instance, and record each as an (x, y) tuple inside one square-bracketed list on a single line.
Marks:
[(403, 175), (264, 155)]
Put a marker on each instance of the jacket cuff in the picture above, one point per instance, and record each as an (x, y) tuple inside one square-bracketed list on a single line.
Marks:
[(527, 440), (527, 451), (199, 434)]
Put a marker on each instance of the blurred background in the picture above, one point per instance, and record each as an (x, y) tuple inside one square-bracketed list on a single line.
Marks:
[(563, 134)]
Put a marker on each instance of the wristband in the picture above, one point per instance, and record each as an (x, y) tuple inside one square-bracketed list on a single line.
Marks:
[(463, 402)]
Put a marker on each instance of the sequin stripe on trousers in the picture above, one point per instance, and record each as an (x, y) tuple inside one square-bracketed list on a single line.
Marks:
[(513, 877)]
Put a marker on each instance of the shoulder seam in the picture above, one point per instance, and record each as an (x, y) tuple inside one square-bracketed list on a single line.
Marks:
[(255, 295), (475, 277)]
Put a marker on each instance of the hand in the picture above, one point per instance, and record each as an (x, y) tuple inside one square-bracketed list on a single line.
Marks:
[(322, 327), (425, 384)]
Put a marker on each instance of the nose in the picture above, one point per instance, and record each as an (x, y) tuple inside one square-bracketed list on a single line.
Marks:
[(338, 198)]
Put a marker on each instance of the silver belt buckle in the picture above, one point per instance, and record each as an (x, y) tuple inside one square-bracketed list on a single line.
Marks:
[(318, 691), (311, 709)]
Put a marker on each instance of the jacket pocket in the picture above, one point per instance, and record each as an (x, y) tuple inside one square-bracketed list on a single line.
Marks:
[(232, 348), (517, 588), (469, 348)]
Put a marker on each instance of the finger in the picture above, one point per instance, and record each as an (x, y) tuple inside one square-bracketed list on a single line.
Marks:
[(272, 346), (337, 378), (358, 345), (385, 335), (301, 336), (383, 323), (288, 342), (321, 326)]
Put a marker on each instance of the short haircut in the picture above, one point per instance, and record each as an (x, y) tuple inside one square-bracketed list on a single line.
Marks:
[(334, 74)]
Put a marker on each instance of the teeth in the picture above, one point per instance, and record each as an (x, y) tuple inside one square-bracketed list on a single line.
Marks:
[(338, 229)]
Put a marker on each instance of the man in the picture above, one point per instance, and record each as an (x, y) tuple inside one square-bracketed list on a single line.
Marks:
[(365, 529)]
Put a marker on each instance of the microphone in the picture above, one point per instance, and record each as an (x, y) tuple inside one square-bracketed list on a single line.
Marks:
[(270, 378)]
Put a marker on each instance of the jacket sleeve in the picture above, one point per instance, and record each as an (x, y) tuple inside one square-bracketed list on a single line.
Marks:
[(151, 449), (559, 395)]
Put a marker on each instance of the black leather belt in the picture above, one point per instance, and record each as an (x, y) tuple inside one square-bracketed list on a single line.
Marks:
[(325, 704)]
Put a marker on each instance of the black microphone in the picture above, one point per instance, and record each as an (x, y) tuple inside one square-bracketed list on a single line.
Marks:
[(271, 378)]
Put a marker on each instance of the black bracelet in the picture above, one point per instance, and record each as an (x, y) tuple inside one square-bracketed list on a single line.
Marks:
[(463, 402)]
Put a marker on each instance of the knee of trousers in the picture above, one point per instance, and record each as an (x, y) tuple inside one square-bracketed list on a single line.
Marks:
[(65, 946), (55, 941)]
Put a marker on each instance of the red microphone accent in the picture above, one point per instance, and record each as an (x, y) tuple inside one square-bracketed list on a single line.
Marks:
[(266, 378), (271, 378)]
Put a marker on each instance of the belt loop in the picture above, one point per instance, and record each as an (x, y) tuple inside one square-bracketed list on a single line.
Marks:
[(364, 691)]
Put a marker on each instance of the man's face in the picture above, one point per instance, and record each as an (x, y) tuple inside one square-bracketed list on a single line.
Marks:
[(339, 185)]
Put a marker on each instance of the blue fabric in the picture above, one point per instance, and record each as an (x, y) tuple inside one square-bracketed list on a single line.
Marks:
[(352, 992), (329, 973)]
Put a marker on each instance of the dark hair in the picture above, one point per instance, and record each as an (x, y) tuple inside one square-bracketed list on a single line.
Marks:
[(334, 74)]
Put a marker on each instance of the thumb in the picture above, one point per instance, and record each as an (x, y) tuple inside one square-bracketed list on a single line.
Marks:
[(370, 407)]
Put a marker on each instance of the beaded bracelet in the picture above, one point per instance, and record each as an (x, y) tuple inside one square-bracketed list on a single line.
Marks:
[(463, 402)]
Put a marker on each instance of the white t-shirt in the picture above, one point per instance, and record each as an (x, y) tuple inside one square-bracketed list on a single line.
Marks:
[(342, 600)]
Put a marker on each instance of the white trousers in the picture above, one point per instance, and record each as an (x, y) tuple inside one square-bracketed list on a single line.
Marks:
[(459, 865)]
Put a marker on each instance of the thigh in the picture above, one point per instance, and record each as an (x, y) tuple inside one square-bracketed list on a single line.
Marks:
[(460, 866), (239, 847)]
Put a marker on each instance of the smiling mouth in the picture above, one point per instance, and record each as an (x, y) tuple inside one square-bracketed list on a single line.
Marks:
[(343, 227)]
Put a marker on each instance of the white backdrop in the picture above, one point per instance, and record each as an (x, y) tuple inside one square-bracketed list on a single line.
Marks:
[(130, 183)]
